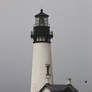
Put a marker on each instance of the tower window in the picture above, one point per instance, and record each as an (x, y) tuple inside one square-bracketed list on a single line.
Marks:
[(47, 69)]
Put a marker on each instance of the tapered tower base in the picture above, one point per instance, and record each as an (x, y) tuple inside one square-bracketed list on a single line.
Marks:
[(41, 58)]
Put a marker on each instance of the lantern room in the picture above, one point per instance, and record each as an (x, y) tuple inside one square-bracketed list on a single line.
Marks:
[(41, 19)]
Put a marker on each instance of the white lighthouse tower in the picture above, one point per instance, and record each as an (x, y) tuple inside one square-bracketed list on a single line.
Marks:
[(41, 61)]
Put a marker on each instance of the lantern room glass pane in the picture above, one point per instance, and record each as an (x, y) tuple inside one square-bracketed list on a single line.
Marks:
[(37, 21), (41, 21), (46, 21)]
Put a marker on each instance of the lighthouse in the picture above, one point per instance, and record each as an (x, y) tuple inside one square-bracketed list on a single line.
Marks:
[(41, 59), (42, 75)]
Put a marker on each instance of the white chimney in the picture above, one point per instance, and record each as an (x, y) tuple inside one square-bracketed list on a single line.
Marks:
[(69, 81)]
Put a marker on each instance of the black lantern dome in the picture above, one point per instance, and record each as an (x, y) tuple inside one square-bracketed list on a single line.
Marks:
[(41, 14), (41, 32)]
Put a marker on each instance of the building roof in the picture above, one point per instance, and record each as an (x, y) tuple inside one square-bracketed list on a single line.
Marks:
[(59, 88), (41, 14)]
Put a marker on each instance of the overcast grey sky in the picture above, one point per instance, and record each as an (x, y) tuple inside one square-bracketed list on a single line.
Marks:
[(71, 22)]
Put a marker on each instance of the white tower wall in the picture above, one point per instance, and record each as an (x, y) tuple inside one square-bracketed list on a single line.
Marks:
[(41, 57)]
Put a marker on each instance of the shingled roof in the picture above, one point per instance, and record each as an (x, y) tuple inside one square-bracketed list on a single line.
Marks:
[(59, 88)]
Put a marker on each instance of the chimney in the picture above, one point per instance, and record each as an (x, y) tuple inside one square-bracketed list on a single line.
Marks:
[(69, 81)]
